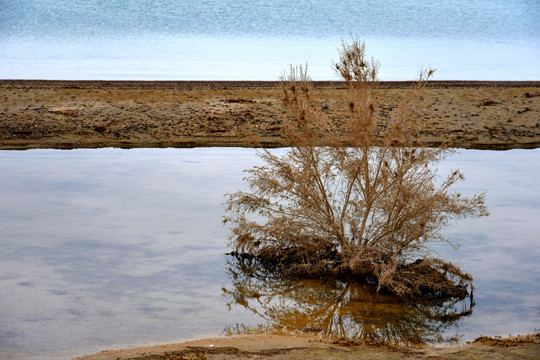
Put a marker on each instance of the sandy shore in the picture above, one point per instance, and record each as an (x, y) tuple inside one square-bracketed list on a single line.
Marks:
[(90, 114), (304, 348)]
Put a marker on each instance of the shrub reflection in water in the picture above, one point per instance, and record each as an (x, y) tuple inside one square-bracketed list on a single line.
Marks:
[(335, 309)]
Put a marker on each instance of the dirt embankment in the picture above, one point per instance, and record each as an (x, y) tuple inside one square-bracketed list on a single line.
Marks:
[(301, 348), (89, 114)]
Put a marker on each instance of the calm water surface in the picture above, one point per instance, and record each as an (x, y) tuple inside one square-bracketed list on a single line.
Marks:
[(257, 40), (112, 248)]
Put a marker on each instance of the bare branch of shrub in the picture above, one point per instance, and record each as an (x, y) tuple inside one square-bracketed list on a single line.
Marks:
[(365, 210)]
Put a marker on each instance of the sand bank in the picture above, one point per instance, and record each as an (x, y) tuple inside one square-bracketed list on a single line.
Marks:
[(91, 114), (302, 348)]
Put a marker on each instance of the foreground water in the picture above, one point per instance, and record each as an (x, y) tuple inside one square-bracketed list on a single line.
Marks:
[(247, 40), (115, 248)]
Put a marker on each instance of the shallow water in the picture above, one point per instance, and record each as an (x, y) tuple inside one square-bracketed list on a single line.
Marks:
[(114, 248), (247, 40)]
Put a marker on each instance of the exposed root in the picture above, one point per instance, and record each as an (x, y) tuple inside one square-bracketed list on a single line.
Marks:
[(427, 278)]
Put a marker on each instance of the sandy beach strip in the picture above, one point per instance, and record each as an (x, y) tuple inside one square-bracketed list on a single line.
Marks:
[(127, 114), (279, 347)]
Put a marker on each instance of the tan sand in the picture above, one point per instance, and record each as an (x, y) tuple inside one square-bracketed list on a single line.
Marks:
[(89, 114), (307, 348)]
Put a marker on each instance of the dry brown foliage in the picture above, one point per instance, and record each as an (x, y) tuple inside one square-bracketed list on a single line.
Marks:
[(363, 205)]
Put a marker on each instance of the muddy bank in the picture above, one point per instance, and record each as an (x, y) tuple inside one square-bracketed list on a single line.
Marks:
[(91, 114), (301, 348)]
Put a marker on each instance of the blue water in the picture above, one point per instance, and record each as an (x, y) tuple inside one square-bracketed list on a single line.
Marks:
[(256, 40), (113, 248)]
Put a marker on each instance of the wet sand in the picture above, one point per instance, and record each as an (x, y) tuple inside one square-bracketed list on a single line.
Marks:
[(303, 348), (91, 114)]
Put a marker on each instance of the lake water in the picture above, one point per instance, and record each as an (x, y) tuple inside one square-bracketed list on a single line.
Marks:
[(257, 40), (113, 248)]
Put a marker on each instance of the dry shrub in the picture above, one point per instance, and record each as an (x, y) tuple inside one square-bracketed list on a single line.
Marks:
[(363, 202)]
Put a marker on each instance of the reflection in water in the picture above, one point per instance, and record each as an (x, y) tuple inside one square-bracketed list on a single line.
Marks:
[(339, 310), (104, 248)]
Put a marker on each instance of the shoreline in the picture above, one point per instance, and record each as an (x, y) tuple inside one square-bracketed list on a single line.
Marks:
[(299, 347), (62, 114), (245, 84)]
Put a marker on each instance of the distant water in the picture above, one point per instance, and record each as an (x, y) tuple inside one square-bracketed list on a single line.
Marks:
[(257, 40)]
